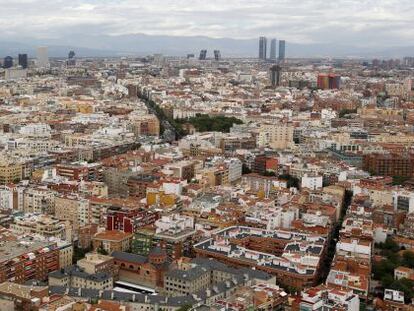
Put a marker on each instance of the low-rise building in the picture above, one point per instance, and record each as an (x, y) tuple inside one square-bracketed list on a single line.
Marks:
[(75, 276), (111, 241)]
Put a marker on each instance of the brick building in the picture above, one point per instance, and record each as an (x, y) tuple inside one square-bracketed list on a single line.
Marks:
[(129, 219), (144, 270), (111, 241), (401, 165), (25, 260)]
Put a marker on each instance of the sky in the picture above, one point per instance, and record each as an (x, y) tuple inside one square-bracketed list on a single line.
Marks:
[(356, 22)]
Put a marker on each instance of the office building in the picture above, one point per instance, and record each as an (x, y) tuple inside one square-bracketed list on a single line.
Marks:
[(71, 59), (203, 55), (275, 75), (8, 62), (273, 49), (23, 60), (217, 55), (42, 58), (262, 48), (282, 50)]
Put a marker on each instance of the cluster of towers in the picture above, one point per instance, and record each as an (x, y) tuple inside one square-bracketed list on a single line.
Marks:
[(22, 61), (273, 52), (203, 55), (42, 59)]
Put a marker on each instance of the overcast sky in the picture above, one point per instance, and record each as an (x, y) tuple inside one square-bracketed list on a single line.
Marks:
[(360, 22)]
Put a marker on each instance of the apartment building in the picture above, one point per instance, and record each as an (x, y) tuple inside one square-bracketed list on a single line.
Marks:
[(44, 225), (277, 136), (80, 171), (10, 171), (146, 125), (325, 298), (27, 259), (295, 258), (39, 200), (74, 209)]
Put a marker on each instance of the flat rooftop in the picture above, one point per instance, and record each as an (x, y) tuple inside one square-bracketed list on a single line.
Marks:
[(13, 249)]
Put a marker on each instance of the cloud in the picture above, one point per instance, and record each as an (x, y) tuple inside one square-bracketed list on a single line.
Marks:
[(357, 22)]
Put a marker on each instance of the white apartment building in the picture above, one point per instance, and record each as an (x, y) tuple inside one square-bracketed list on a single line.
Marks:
[(312, 182), (174, 223)]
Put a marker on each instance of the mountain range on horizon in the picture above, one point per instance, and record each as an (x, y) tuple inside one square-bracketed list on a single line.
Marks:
[(142, 45)]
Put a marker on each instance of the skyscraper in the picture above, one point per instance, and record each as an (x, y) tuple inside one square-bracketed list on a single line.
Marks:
[(275, 75), (282, 47), (273, 49), (262, 48), (8, 62), (203, 55), (23, 60), (217, 55), (42, 58), (71, 59)]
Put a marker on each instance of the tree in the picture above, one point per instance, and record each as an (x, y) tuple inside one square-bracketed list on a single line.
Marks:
[(291, 181), (408, 259), (384, 268), (79, 253), (102, 251), (390, 245), (387, 280), (205, 123), (404, 285), (184, 308), (399, 180), (269, 173), (246, 169), (345, 112)]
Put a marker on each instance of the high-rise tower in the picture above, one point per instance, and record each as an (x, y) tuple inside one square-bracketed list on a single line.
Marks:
[(23, 60), (275, 71), (8, 62), (217, 55), (273, 49), (282, 49), (203, 55), (42, 58), (262, 48)]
